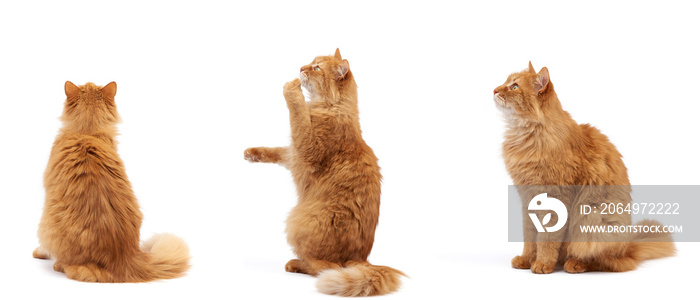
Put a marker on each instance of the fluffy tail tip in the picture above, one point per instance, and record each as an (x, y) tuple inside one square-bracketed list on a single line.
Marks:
[(651, 245), (168, 254), (359, 281)]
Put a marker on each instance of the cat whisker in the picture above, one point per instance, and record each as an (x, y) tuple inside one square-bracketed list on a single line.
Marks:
[(499, 101)]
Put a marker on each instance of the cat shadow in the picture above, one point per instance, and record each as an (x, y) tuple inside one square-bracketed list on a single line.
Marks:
[(47, 265), (487, 260)]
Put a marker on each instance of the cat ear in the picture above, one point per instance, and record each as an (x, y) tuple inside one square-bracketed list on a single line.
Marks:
[(337, 53), (542, 80), (530, 68), (110, 90), (71, 90), (342, 69)]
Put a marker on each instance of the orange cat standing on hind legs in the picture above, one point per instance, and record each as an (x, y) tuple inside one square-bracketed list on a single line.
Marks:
[(546, 150), (91, 219), (338, 183)]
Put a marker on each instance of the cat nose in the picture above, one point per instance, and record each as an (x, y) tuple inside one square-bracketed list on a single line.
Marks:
[(495, 91)]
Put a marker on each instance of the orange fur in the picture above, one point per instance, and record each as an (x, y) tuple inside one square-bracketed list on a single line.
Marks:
[(338, 183), (546, 150), (91, 219)]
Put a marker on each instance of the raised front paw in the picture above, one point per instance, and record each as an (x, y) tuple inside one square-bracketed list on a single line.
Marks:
[(263, 154), (539, 267), (253, 155), (292, 89), (520, 262)]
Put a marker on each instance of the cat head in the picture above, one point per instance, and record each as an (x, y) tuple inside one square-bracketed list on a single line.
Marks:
[(89, 107), (526, 95), (328, 78)]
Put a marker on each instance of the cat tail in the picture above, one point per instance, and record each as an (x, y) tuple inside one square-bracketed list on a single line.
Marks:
[(359, 280), (651, 244), (166, 255)]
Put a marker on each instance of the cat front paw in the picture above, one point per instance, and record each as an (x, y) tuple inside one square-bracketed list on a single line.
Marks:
[(253, 155), (539, 267), (292, 89), (520, 262), (573, 265)]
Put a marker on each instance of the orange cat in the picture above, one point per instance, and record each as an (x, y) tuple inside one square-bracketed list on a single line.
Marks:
[(338, 183), (544, 146), (91, 218)]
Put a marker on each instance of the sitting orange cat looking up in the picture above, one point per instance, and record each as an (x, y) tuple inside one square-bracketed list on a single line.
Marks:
[(91, 219), (331, 230), (546, 150)]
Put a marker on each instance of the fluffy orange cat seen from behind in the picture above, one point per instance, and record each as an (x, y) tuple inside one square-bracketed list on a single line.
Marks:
[(546, 150), (91, 219), (331, 230)]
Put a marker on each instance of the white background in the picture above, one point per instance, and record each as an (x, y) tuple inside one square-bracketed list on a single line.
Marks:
[(199, 83)]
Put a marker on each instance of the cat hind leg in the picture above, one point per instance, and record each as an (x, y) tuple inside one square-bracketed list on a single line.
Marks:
[(89, 273), (58, 267), (309, 266), (41, 253)]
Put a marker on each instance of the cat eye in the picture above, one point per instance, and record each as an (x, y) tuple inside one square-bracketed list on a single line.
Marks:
[(317, 68), (514, 87)]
